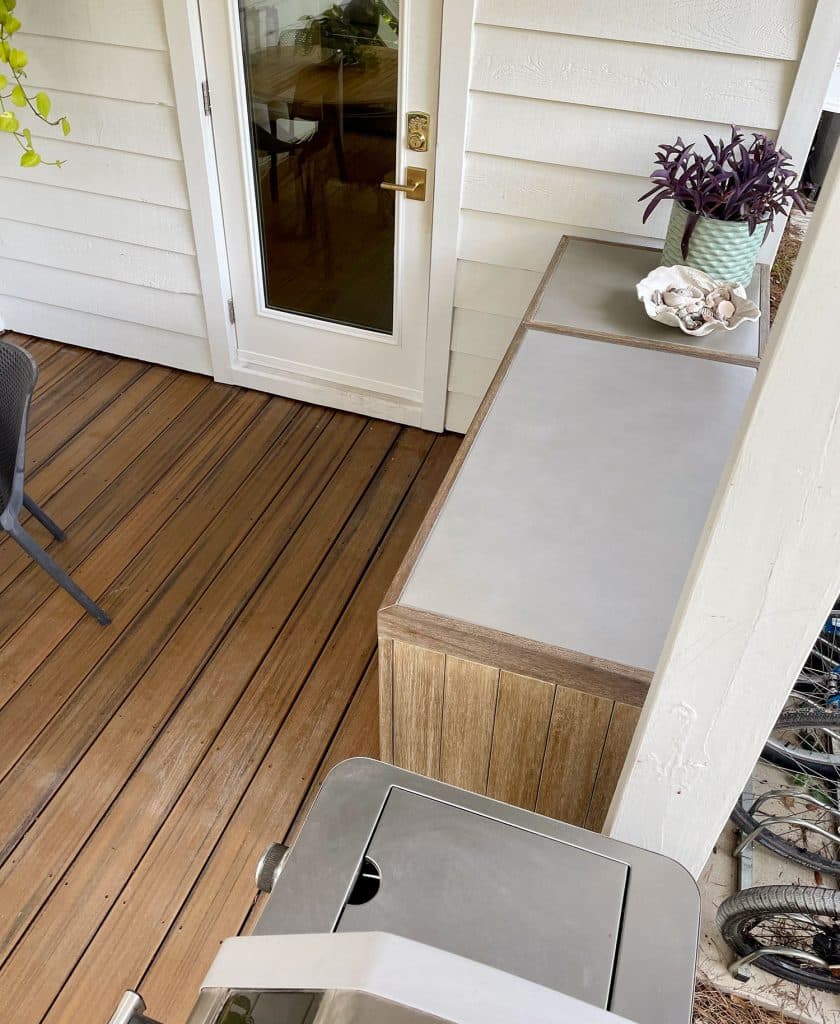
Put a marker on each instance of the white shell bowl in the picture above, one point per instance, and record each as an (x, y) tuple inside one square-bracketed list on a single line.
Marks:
[(665, 279)]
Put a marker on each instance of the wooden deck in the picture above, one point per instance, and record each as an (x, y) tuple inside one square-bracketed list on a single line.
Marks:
[(242, 544)]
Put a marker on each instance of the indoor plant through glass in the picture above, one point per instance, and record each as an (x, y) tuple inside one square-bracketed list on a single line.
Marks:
[(724, 202)]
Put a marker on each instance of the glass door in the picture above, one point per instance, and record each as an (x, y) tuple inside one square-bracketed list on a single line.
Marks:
[(323, 122), (322, 86)]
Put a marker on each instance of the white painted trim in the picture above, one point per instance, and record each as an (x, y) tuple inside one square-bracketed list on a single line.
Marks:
[(336, 395), (764, 577), (816, 66), (453, 103), (183, 29), (346, 380)]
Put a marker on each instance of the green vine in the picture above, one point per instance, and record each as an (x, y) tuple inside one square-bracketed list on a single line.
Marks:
[(17, 95)]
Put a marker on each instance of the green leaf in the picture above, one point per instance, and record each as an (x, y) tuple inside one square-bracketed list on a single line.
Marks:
[(4, 8), (8, 122), (27, 134), (65, 126), (30, 159), (18, 96), (5, 51), (10, 4), (18, 59), (11, 25), (43, 104), (3, 82)]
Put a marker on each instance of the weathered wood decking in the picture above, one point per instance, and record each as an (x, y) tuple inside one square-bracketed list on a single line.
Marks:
[(242, 544)]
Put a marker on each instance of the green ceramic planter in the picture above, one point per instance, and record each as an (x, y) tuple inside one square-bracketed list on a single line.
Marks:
[(723, 249)]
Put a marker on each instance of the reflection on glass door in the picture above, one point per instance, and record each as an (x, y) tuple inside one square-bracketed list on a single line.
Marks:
[(322, 85)]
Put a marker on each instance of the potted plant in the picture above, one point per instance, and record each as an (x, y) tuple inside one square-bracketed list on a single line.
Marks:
[(724, 202), (13, 92), (347, 31)]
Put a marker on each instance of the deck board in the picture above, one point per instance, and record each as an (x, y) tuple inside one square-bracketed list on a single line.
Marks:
[(242, 545)]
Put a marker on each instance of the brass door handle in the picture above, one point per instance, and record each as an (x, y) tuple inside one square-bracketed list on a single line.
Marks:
[(415, 184)]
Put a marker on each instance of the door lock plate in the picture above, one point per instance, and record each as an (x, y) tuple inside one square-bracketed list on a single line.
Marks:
[(417, 124), (414, 187)]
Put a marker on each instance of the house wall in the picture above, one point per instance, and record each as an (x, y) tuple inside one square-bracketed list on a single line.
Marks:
[(567, 103), (101, 253)]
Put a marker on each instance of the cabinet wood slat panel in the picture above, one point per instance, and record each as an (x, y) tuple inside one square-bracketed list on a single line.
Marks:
[(469, 707), (619, 735), (523, 713), (386, 700), (576, 737), (418, 706)]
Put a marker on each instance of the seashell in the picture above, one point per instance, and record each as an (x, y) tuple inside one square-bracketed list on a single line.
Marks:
[(686, 298)]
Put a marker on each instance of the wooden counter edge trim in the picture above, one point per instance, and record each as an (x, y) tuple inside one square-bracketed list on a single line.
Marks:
[(530, 321), (386, 700), (648, 343), (510, 653), (395, 590), (764, 305)]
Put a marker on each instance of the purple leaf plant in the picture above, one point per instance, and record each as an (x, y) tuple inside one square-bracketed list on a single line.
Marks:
[(734, 181)]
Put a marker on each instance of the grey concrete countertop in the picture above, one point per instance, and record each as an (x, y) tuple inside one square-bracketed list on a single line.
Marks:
[(575, 516)]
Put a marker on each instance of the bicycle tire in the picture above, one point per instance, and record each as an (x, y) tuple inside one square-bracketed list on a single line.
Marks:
[(742, 911), (827, 766), (746, 823)]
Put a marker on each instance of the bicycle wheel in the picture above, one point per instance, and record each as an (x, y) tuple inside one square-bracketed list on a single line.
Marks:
[(793, 917), (810, 848), (806, 739)]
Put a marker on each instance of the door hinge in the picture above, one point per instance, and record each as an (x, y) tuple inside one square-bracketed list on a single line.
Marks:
[(231, 311), (205, 96)]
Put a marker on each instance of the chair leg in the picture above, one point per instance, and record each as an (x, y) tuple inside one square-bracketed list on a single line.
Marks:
[(37, 554), (43, 518)]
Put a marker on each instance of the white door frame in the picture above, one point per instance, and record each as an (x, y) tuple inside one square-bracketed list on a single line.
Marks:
[(183, 28)]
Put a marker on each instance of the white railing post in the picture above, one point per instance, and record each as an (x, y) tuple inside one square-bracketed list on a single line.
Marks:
[(764, 577)]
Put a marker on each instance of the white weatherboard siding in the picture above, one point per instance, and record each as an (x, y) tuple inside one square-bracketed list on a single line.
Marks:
[(101, 252), (568, 102)]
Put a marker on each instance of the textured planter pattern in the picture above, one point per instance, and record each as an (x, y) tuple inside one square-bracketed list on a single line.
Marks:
[(725, 250)]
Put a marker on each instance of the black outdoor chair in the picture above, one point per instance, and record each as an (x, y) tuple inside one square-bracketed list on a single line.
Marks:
[(18, 374)]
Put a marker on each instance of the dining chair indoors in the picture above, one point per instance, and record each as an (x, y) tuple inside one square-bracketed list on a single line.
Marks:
[(18, 375)]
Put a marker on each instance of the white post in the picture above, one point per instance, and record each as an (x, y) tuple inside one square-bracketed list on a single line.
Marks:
[(764, 577)]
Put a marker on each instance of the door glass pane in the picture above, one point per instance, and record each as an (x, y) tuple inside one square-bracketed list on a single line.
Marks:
[(322, 95)]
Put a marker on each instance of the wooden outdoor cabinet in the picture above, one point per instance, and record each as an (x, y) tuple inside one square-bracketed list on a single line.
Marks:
[(519, 638)]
